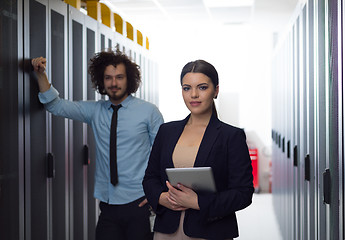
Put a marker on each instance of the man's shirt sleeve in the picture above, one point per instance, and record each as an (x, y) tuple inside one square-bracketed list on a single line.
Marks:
[(77, 110)]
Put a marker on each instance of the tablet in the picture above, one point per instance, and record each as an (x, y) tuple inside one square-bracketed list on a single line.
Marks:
[(197, 178)]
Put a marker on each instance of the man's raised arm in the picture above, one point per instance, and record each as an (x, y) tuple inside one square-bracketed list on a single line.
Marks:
[(39, 65)]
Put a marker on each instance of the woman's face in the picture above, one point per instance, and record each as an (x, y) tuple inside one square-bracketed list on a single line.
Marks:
[(198, 92)]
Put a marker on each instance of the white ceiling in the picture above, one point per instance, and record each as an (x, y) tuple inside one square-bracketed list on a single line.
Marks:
[(270, 13)]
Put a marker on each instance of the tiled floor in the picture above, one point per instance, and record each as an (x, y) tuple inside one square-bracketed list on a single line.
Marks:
[(258, 221)]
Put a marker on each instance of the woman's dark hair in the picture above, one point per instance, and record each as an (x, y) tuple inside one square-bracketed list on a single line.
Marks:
[(103, 59), (201, 66)]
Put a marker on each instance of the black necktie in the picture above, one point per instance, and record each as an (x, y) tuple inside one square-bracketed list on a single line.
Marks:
[(113, 162)]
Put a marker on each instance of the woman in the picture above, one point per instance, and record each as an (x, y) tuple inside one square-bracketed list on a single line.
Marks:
[(197, 141)]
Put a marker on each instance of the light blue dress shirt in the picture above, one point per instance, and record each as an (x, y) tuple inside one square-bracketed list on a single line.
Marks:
[(138, 123)]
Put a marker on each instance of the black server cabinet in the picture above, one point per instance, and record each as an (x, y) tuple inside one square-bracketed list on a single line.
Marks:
[(303, 127), (289, 134), (296, 127), (36, 137), (60, 209), (60, 165), (46, 138), (92, 204), (314, 142), (334, 91), (11, 121), (309, 157), (82, 42), (78, 165), (321, 140), (47, 163)]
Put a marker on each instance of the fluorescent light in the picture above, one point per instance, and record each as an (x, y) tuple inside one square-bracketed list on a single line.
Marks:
[(228, 3)]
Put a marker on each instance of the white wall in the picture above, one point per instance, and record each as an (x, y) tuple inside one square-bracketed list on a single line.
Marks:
[(242, 57)]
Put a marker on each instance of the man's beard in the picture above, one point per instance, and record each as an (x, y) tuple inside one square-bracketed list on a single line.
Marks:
[(117, 97)]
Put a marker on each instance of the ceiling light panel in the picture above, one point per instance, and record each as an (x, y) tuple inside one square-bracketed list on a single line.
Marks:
[(228, 3), (181, 3), (231, 14), (143, 12), (188, 13), (132, 4)]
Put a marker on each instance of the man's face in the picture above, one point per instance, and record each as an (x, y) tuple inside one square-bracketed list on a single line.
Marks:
[(115, 83)]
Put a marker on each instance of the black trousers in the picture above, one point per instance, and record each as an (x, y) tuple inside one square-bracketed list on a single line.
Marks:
[(124, 222)]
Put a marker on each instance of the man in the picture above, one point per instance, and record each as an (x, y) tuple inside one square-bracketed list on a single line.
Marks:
[(121, 158)]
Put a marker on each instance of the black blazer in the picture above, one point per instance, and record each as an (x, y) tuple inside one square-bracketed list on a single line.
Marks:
[(223, 148)]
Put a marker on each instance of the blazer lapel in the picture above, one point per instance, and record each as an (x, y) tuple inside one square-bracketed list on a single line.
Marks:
[(207, 142)]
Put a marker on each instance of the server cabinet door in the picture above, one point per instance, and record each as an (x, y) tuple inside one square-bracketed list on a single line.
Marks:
[(321, 116), (310, 152), (304, 186), (296, 127), (334, 91), (46, 171), (92, 205), (77, 162), (80, 158), (11, 122), (289, 159), (62, 221), (38, 221)]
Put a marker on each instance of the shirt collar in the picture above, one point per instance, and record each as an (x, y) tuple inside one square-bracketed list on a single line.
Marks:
[(124, 103)]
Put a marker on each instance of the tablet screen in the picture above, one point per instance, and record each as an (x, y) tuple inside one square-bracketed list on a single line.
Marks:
[(197, 178)]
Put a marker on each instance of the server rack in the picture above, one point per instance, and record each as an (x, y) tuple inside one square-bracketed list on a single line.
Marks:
[(47, 163), (92, 205), (311, 99), (320, 115), (12, 129)]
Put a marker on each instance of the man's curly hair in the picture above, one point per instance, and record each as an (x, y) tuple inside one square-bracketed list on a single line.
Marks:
[(103, 59)]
